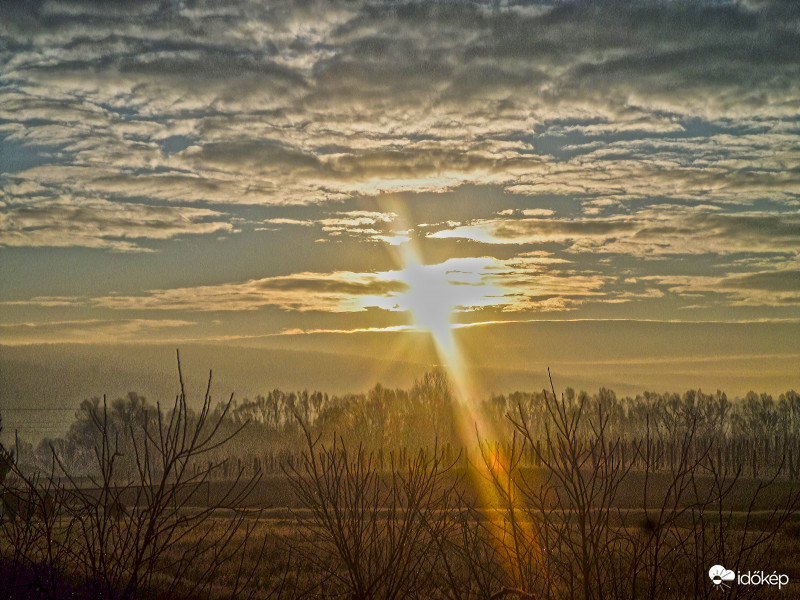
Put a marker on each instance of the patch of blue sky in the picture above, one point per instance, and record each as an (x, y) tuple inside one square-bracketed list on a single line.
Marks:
[(566, 139), (16, 157)]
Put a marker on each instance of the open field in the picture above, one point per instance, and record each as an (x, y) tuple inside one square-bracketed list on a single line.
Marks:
[(575, 498), (280, 546), (274, 492)]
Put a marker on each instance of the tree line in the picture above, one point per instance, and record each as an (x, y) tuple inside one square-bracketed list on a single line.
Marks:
[(747, 430)]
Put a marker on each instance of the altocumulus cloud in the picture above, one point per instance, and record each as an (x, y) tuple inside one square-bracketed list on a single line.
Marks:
[(323, 100), (667, 229), (532, 281), (623, 131), (101, 224)]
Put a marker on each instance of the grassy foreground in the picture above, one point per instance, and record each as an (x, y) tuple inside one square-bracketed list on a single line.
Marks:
[(159, 516)]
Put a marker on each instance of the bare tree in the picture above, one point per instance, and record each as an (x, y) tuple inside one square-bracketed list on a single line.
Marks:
[(152, 528), (371, 534), (567, 532)]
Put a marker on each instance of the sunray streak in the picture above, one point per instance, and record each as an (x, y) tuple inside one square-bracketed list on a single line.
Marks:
[(434, 293)]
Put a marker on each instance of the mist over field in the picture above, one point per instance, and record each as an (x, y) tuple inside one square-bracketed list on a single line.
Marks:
[(628, 357)]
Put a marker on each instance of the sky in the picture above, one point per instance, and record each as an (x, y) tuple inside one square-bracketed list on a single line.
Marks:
[(586, 185)]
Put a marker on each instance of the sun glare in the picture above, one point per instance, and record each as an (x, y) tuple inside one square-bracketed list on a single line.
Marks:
[(436, 292), (430, 299)]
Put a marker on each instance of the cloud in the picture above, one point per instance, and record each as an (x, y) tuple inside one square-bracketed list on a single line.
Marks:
[(359, 224), (87, 330), (777, 288), (538, 212), (101, 224), (296, 104), (662, 230), (774, 281), (533, 281), (530, 231), (328, 292)]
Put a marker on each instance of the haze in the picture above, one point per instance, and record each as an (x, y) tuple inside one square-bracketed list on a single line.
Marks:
[(331, 194)]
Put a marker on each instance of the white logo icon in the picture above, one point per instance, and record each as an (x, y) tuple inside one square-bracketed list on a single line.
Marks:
[(720, 575)]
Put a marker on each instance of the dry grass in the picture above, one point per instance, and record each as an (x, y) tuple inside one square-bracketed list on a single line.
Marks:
[(582, 525)]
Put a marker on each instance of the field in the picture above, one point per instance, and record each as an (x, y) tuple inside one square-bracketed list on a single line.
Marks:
[(575, 497), (272, 535)]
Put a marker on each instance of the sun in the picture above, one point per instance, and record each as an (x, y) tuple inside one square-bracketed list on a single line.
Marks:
[(431, 300), (439, 297), (435, 293)]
